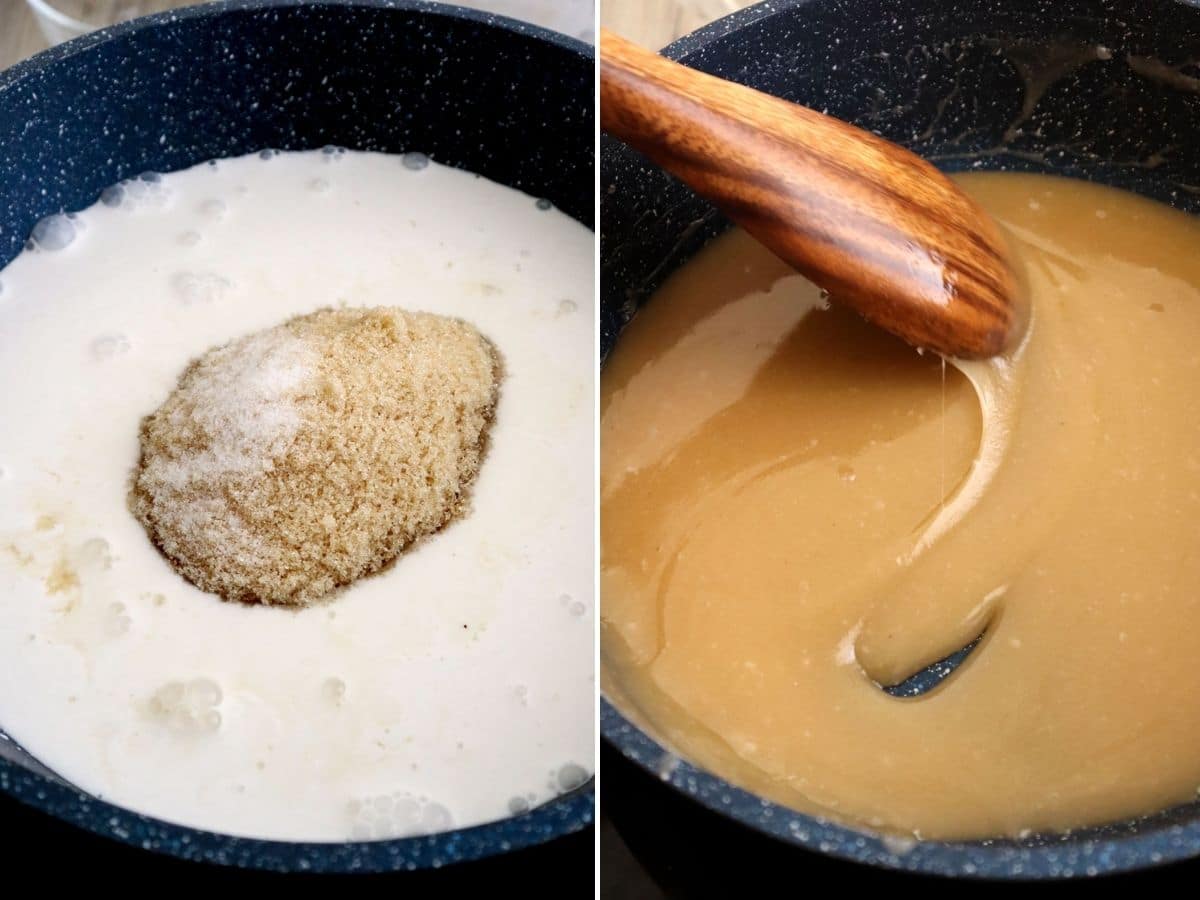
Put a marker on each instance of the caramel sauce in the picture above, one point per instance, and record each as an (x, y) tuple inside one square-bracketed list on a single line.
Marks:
[(798, 509)]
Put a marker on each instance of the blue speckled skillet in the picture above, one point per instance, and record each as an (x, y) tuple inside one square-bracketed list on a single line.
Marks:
[(1107, 91), (506, 100)]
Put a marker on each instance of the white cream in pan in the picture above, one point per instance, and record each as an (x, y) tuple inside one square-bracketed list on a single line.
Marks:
[(452, 689)]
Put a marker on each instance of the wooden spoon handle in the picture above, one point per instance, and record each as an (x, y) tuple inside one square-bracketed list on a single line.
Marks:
[(876, 226)]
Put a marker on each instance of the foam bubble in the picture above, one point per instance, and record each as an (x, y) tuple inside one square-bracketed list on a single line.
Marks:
[(405, 807), (267, 154), (214, 208), (544, 204), (113, 195), (147, 191), (170, 694), (56, 232), (95, 554), (334, 690), (435, 818), (116, 621), (571, 776), (415, 161), (518, 805), (566, 307), (400, 814), (200, 287), (108, 346), (578, 608), (203, 692), (332, 153), (187, 708)]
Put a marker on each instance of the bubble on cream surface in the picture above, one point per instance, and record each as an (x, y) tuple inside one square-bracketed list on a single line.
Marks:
[(113, 195), (571, 776), (200, 287), (118, 621), (214, 208), (94, 554), (264, 722), (396, 815), (146, 192), (55, 232), (110, 345), (334, 690), (188, 708)]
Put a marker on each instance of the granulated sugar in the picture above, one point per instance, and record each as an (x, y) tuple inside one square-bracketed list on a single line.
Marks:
[(300, 458)]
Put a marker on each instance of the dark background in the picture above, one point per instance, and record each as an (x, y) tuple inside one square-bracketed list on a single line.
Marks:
[(36, 845)]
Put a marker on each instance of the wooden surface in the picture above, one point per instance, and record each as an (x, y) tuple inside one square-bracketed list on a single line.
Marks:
[(19, 35), (652, 23), (655, 23), (879, 228)]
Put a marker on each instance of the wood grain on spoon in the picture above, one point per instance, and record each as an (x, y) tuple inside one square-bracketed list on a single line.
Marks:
[(878, 227)]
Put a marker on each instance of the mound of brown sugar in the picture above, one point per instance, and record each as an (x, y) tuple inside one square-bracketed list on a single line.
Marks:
[(300, 458)]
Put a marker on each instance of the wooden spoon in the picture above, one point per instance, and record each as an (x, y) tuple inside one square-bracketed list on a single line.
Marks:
[(879, 228)]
